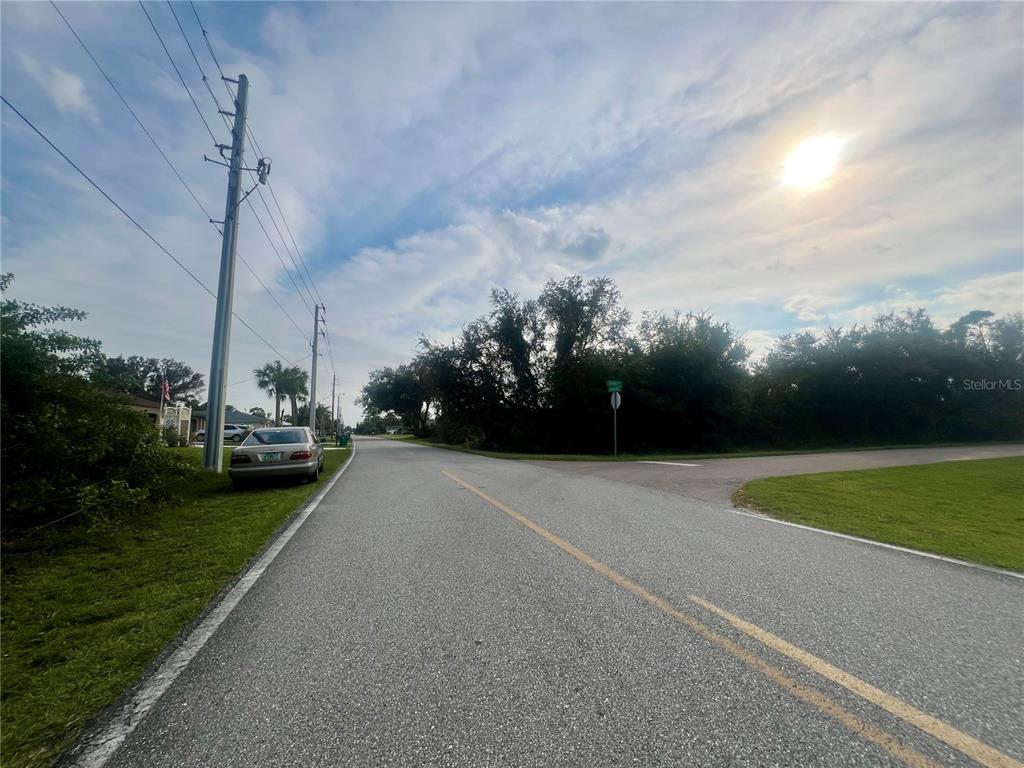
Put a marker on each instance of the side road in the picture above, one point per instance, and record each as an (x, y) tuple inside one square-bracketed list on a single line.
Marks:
[(715, 480)]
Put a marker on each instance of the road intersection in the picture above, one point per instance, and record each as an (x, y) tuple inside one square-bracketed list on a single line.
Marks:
[(440, 608)]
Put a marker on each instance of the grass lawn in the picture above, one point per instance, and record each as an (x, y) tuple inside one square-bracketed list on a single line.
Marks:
[(86, 611), (973, 510), (671, 456)]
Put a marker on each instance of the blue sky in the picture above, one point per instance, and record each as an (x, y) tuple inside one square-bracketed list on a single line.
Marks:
[(425, 153)]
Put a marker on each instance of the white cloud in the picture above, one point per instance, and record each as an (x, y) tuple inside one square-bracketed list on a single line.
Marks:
[(67, 90), (424, 154), (1000, 293)]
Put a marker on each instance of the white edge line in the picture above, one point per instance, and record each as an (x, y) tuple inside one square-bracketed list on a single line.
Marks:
[(102, 746), (919, 553), (669, 463)]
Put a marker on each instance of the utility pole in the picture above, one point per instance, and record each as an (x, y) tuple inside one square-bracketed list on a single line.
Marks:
[(334, 419), (213, 448), (312, 378)]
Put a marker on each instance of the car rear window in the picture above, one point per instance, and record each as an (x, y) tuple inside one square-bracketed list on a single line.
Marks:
[(276, 438)]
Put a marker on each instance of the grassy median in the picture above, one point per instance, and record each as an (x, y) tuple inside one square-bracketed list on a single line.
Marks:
[(973, 510), (87, 609)]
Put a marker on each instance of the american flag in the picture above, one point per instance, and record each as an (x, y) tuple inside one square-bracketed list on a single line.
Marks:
[(166, 390)]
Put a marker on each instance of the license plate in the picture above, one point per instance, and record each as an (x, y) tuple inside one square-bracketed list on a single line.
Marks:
[(270, 456)]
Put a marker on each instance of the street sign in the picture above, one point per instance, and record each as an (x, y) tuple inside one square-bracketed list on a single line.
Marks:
[(614, 386), (616, 402)]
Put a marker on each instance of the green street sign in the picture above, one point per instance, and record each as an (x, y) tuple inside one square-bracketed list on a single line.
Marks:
[(614, 386)]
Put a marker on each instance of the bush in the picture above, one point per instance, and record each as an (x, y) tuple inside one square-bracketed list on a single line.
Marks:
[(173, 439), (68, 448)]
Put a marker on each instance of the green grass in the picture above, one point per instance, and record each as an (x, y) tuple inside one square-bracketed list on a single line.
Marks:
[(86, 611), (972, 510), (676, 456)]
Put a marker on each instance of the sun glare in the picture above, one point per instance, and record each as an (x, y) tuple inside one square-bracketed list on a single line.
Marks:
[(812, 162)]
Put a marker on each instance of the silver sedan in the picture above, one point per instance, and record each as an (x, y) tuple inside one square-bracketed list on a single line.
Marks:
[(277, 452)]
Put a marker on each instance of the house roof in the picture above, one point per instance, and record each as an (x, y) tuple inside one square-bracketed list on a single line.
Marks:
[(135, 400)]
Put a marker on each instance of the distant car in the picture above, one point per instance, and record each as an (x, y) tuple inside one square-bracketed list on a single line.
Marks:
[(277, 452), (232, 434)]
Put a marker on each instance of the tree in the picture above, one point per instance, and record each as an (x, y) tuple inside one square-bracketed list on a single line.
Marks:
[(110, 458), (399, 390), (323, 417), (271, 378), (530, 376), (144, 377), (582, 317), (294, 384), (257, 411)]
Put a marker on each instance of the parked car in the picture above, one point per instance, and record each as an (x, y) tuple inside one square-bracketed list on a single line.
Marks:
[(233, 433), (277, 452)]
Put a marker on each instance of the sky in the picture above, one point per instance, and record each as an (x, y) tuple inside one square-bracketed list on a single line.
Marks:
[(423, 154)]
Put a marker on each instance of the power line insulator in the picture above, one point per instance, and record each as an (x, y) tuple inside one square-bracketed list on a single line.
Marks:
[(263, 169)]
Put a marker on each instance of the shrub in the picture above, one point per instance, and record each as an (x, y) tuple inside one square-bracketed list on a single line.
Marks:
[(68, 448), (173, 439)]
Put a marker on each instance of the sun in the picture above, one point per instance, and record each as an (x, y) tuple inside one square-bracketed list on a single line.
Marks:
[(812, 161)]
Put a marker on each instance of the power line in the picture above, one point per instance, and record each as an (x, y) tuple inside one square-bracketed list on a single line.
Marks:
[(298, 291), (213, 96), (313, 294), (253, 378), (289, 229), (272, 296), (284, 220), (167, 160), (327, 338), (178, 72), (330, 351), (195, 58), (130, 218), (206, 37), (220, 111), (128, 107), (256, 145), (285, 244)]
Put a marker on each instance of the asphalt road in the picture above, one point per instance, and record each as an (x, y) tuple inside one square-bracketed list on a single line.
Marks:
[(714, 480), (562, 618)]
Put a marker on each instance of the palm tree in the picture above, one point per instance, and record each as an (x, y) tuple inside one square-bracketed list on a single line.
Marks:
[(295, 386), (272, 378)]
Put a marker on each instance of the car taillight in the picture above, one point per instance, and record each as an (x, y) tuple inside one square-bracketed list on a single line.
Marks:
[(240, 459), (301, 455)]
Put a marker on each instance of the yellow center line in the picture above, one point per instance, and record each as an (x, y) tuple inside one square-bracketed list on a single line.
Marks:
[(968, 745)]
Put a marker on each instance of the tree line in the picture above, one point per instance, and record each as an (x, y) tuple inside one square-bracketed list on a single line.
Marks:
[(531, 375)]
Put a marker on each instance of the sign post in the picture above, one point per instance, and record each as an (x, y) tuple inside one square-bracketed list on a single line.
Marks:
[(615, 387)]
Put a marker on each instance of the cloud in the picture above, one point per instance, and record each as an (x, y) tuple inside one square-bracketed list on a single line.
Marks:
[(805, 308), (65, 88), (1000, 293), (426, 154)]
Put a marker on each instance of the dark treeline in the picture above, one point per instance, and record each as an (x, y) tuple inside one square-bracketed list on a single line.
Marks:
[(531, 376)]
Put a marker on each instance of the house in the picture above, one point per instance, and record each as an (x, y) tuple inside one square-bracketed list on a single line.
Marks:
[(176, 417), (231, 416), (142, 404)]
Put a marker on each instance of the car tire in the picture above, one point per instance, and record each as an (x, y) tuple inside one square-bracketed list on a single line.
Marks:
[(236, 438)]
